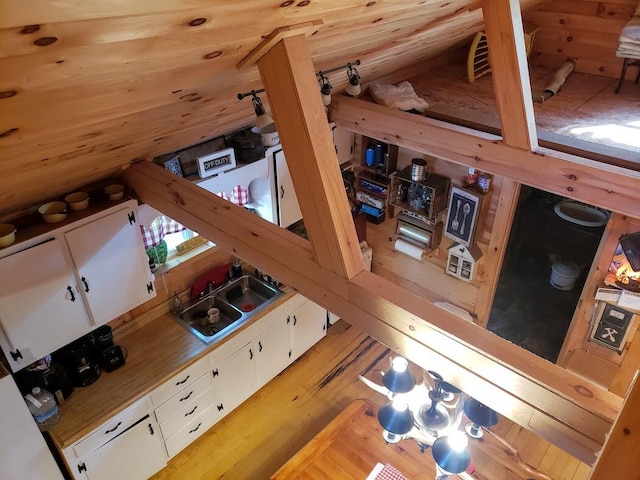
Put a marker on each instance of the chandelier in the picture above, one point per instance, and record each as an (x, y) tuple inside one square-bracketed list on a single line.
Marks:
[(430, 412)]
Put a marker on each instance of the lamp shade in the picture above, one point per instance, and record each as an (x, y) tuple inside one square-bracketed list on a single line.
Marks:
[(398, 379), (396, 418), (449, 457), (479, 413)]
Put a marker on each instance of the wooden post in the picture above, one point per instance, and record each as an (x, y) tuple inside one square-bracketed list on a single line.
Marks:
[(508, 57), (289, 78)]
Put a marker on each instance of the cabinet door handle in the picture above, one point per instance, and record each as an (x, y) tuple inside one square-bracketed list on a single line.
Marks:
[(182, 381), (82, 467), (73, 297), (281, 191), (220, 407), (151, 429), (250, 354), (295, 320), (195, 429), (113, 429), (187, 397), (191, 412), (86, 285), (259, 346)]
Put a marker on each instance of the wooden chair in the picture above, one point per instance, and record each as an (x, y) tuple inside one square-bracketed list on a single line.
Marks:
[(629, 47), (478, 57)]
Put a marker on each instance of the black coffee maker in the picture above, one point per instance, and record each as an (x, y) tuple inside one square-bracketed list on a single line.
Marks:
[(81, 360), (110, 355)]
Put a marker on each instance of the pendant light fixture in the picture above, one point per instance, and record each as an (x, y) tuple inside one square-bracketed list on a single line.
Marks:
[(353, 89), (325, 89)]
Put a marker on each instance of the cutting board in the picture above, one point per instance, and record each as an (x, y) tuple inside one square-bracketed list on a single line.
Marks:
[(216, 276)]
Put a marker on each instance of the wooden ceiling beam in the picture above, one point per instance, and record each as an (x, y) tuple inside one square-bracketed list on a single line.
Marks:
[(611, 187)]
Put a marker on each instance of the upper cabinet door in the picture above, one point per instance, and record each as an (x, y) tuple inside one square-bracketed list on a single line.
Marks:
[(40, 307), (113, 272), (288, 207)]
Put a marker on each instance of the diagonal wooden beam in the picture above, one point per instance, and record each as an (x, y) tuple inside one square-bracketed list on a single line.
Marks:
[(564, 408), (294, 97), (508, 58)]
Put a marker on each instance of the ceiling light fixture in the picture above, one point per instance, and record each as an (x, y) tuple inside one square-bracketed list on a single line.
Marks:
[(325, 89), (263, 119), (353, 87)]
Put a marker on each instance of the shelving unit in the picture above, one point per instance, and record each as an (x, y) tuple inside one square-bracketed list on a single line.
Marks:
[(372, 193), (427, 197)]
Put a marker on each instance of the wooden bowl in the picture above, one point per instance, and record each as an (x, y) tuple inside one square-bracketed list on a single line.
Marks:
[(7, 234), (77, 200), (115, 192), (53, 212)]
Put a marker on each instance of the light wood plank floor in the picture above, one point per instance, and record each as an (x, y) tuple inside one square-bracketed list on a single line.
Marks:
[(263, 433)]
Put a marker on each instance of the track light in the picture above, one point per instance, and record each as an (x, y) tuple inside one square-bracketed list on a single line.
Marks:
[(325, 89), (353, 88), (263, 119)]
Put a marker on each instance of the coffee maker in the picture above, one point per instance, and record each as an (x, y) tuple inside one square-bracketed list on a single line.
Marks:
[(110, 355), (81, 360)]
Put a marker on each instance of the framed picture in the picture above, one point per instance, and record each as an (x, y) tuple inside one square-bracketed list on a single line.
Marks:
[(216, 162), (611, 326), (462, 216), (173, 165)]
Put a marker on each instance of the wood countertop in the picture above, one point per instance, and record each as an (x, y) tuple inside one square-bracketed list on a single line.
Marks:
[(155, 352)]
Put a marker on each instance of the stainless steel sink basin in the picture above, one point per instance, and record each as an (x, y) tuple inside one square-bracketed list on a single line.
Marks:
[(237, 302), (581, 214)]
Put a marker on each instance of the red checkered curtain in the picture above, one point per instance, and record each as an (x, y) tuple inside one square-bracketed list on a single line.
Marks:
[(160, 227)]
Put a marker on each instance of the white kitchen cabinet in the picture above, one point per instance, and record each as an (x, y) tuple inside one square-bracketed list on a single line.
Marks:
[(23, 451), (307, 325), (112, 267), (343, 140), (58, 286), (234, 374), (128, 446), (288, 208), (40, 307), (271, 345)]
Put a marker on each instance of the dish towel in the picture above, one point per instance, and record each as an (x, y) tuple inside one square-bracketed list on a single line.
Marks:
[(385, 472)]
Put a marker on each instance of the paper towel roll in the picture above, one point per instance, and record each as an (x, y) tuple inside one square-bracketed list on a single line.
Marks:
[(414, 233), (409, 248)]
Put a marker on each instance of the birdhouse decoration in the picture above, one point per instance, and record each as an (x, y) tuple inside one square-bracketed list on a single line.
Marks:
[(461, 261)]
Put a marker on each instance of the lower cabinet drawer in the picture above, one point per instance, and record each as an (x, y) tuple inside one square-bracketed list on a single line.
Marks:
[(188, 411), (112, 428), (191, 431), (184, 396)]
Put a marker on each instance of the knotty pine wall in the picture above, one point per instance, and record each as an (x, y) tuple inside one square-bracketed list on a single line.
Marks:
[(583, 29)]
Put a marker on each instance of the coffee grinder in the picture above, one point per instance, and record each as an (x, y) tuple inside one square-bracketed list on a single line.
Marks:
[(111, 356)]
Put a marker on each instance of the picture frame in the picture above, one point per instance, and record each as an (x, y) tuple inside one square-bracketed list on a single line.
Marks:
[(173, 165), (462, 216), (216, 162), (611, 326)]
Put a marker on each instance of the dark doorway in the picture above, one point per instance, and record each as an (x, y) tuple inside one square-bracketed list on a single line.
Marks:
[(546, 263)]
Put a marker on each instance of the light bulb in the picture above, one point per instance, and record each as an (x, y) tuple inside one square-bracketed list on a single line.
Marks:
[(457, 441), (399, 364)]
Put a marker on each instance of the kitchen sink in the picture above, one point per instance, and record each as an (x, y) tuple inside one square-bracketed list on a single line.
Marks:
[(237, 301)]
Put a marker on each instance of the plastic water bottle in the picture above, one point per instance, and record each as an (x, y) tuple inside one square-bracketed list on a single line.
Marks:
[(42, 405)]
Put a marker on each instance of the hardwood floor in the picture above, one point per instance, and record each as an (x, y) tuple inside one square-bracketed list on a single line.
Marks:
[(263, 433)]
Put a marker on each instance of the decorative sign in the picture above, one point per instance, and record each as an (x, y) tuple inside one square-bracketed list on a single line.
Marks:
[(611, 327), (173, 165), (216, 162)]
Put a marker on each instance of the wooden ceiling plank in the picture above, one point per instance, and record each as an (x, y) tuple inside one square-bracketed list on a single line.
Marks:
[(608, 186), (510, 73), (365, 301), (290, 81)]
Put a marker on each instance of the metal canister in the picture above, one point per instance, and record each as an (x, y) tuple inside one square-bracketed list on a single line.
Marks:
[(369, 156), (484, 182), (418, 169)]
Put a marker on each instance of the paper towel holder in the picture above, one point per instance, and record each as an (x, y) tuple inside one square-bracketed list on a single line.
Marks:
[(418, 232)]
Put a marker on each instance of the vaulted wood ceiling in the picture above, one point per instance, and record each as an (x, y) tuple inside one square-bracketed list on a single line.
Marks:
[(87, 87)]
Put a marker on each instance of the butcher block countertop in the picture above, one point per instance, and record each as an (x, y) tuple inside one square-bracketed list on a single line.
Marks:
[(155, 352)]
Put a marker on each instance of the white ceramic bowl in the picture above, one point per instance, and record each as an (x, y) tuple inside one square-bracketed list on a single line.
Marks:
[(53, 212), (115, 192), (268, 134), (77, 200), (7, 234)]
